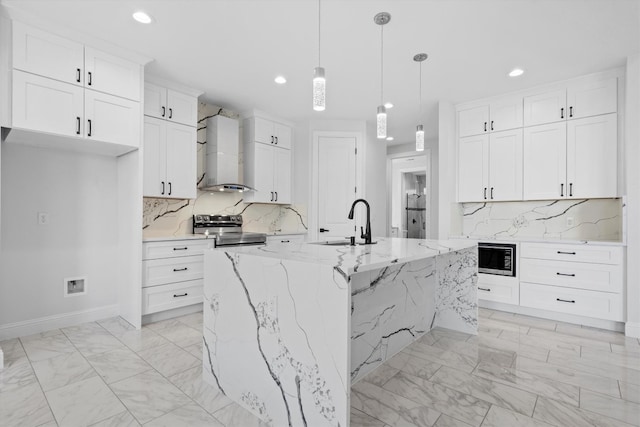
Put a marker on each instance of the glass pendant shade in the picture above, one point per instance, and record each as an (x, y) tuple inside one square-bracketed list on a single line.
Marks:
[(319, 89), (381, 122), (419, 138)]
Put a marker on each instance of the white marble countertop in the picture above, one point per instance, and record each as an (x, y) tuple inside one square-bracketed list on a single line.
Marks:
[(353, 259), (509, 239)]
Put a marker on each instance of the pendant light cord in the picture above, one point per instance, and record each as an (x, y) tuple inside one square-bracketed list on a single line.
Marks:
[(381, 64), (420, 94), (319, 33)]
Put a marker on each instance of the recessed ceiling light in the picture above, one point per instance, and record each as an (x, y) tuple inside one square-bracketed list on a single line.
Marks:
[(142, 17), (280, 80), (388, 105), (516, 72), (389, 138)]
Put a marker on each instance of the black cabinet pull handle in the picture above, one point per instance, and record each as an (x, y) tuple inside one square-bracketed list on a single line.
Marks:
[(169, 189), (561, 190), (484, 289), (272, 139), (77, 125), (90, 79), (89, 134), (181, 295), (271, 197), (162, 187), (276, 140), (565, 274), (571, 189), (322, 230), (276, 196), (180, 249), (566, 253), (485, 193), (170, 113), (285, 241), (485, 126), (164, 111), (491, 124), (180, 269), (78, 75), (566, 300), (562, 113), (491, 193), (570, 111)]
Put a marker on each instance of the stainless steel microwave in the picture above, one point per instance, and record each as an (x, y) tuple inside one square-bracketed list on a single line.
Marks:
[(497, 258)]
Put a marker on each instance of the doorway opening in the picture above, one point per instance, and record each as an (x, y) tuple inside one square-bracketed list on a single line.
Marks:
[(410, 195)]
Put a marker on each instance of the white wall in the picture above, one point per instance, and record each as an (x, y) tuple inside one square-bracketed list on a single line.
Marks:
[(448, 223), (79, 192), (376, 181), (632, 149)]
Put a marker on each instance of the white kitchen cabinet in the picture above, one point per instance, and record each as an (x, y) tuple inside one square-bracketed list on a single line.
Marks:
[(111, 74), (270, 132), (500, 114), (169, 104), (579, 99), (169, 159), (286, 238), (111, 118), (490, 167), (574, 160), (496, 288), (282, 175)]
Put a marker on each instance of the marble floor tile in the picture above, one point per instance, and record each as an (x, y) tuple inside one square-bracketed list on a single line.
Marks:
[(234, 415), (500, 417), (62, 370), (12, 350), (596, 367), (626, 349), (488, 332), (189, 415), (163, 324), (477, 351), (391, 408), (195, 350), (83, 403), (45, 347), (570, 339), (149, 395), (622, 410), (382, 373), (519, 319), (118, 364), (116, 325), (17, 373), (203, 393), (525, 381), (413, 365), (489, 391), (563, 415), (594, 334), (91, 342), (84, 329), (438, 333), (447, 421), (441, 357), (610, 358), (630, 392), (193, 320), (24, 406), (547, 343), (458, 405), (519, 349), (567, 375), (485, 312), (123, 419), (139, 340), (169, 359), (428, 339), (360, 419), (181, 334), (503, 326)]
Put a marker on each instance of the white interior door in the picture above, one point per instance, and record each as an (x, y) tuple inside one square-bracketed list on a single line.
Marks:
[(336, 186)]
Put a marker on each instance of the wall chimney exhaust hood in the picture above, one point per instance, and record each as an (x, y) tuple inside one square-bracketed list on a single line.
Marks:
[(221, 164)]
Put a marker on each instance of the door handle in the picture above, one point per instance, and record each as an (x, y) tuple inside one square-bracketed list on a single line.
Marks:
[(169, 189), (566, 253), (89, 133), (566, 300), (276, 140), (484, 289), (77, 125), (485, 126), (562, 113), (180, 295), (272, 139), (491, 124), (162, 188), (78, 75), (180, 249), (170, 113), (271, 197), (276, 196), (485, 193), (90, 79), (491, 193), (570, 111), (164, 110), (571, 189), (323, 230), (565, 274), (561, 190), (180, 269)]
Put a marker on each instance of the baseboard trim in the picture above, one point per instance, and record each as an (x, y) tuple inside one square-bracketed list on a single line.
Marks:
[(552, 315), (64, 320), (632, 329)]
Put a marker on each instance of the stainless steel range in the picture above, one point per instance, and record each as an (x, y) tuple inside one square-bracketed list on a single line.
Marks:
[(226, 230)]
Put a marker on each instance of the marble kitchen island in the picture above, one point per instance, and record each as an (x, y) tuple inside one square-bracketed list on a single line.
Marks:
[(288, 328)]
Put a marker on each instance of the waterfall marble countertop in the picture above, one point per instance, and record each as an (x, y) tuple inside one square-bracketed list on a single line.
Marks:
[(169, 238), (509, 239), (385, 252)]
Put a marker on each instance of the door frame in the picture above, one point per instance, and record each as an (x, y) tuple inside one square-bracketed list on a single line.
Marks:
[(314, 234), (428, 185)]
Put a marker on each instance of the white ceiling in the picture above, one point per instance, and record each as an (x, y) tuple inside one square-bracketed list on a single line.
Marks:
[(233, 49)]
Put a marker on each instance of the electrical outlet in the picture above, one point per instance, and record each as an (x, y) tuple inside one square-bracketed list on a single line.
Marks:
[(570, 221), (43, 218)]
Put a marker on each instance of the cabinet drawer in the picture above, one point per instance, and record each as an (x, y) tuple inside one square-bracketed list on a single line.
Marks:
[(286, 238), (577, 253), (175, 248), (596, 277), (169, 270), (165, 297), (507, 294), (572, 301)]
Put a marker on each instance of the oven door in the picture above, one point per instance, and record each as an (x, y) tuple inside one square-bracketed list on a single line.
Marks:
[(497, 258)]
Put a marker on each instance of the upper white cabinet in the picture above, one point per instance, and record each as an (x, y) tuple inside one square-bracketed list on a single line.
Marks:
[(490, 167), (169, 104), (583, 98), (498, 115), (267, 160), (545, 161), (39, 52)]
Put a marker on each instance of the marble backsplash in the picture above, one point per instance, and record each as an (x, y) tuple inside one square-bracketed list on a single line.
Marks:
[(173, 217), (587, 219)]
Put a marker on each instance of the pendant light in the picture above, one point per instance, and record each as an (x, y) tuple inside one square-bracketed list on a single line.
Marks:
[(381, 19), (420, 57), (319, 83)]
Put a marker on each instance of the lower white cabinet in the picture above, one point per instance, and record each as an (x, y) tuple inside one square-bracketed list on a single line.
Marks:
[(498, 288), (172, 273), (286, 238)]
